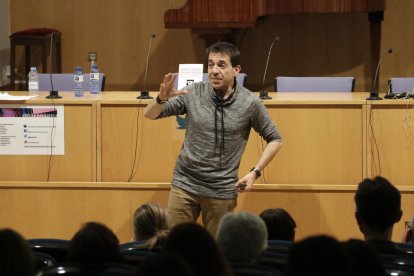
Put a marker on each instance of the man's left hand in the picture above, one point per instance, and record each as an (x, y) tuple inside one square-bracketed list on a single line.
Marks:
[(245, 184)]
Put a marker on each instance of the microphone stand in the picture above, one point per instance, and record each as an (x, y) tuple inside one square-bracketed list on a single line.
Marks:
[(145, 92), (374, 95), (263, 93), (53, 94)]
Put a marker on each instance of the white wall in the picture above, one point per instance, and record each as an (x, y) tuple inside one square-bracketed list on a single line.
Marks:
[(4, 39)]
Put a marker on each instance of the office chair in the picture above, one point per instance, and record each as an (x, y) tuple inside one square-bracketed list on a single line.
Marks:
[(65, 82), (400, 85), (240, 78), (314, 84)]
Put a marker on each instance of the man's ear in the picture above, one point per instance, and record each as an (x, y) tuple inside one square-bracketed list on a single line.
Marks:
[(237, 69)]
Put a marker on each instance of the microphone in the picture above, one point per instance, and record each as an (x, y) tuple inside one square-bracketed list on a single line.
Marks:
[(263, 94), (373, 95), (144, 91), (53, 94)]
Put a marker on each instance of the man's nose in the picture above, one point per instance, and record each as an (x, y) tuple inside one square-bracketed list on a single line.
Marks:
[(215, 69)]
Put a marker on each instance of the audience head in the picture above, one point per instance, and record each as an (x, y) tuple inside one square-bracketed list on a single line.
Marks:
[(242, 237), (378, 207), (364, 259), (225, 48), (198, 248), (94, 243), (16, 257), (164, 263), (150, 225), (280, 224), (318, 256), (409, 231)]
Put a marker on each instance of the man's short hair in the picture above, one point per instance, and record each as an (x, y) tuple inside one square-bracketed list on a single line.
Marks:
[(280, 224), (378, 203), (242, 237), (227, 49)]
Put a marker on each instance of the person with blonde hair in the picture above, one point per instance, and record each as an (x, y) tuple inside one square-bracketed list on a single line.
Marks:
[(150, 226)]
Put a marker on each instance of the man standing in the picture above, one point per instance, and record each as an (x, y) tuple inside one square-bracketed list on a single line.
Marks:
[(220, 115)]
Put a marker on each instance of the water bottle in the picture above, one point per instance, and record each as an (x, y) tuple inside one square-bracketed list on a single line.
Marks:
[(78, 79), (94, 80), (33, 82)]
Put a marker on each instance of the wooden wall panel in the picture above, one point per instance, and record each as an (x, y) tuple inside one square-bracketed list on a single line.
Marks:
[(310, 44)]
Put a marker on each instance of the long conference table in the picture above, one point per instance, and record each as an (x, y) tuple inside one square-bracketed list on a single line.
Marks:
[(116, 160)]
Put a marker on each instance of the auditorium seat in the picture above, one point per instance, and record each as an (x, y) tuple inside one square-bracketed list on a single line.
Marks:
[(65, 82), (400, 85), (57, 248), (314, 84), (42, 260), (279, 246), (137, 256), (102, 269), (275, 260), (254, 270)]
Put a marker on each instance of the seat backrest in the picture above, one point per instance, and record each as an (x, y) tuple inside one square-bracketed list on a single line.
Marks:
[(42, 260), (65, 82), (254, 270), (400, 85), (57, 248), (240, 78), (101, 269), (279, 246), (314, 84)]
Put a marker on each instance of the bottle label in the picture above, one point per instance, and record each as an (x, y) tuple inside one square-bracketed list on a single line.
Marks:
[(78, 78), (33, 85), (94, 76)]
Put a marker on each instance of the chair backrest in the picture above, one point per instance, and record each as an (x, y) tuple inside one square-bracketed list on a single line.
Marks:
[(253, 270), (137, 256), (57, 248), (314, 84), (400, 85), (240, 78), (279, 246), (65, 82), (42, 260), (102, 269), (275, 260)]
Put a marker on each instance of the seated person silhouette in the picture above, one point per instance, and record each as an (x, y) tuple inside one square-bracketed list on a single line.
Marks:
[(279, 223), (94, 243), (150, 226), (16, 257), (365, 260), (197, 247), (378, 208), (242, 237), (318, 256)]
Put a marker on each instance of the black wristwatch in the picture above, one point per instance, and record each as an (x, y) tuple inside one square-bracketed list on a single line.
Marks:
[(159, 101), (256, 171)]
